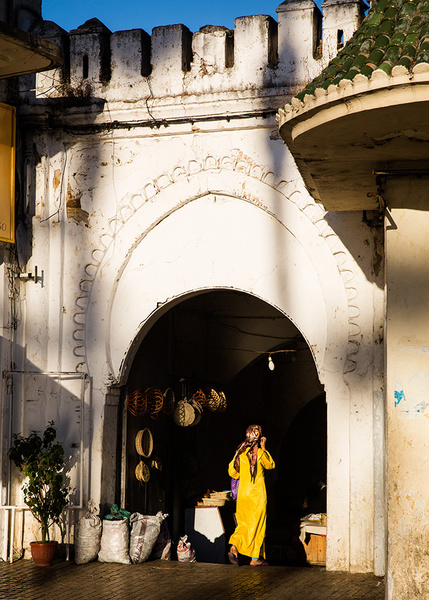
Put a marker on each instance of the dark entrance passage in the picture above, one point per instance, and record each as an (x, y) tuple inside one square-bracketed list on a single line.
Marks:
[(252, 354), (300, 487)]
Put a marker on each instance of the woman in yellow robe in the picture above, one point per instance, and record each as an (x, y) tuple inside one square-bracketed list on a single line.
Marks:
[(248, 465)]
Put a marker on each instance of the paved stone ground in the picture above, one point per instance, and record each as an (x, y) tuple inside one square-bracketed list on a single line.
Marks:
[(162, 580)]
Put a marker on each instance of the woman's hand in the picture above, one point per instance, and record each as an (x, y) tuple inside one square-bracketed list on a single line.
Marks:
[(263, 440)]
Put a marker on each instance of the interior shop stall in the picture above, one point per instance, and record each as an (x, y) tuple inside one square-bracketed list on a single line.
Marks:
[(184, 415)]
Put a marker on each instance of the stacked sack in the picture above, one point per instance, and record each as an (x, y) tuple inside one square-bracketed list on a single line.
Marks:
[(145, 533), (87, 536), (110, 540)]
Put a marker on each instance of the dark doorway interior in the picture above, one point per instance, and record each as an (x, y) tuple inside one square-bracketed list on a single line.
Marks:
[(300, 487), (223, 339)]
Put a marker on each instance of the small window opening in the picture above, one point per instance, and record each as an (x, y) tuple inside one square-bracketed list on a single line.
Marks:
[(340, 38), (317, 35), (85, 67)]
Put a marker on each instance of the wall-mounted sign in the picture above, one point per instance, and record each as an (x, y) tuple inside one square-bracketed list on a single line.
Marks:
[(7, 173)]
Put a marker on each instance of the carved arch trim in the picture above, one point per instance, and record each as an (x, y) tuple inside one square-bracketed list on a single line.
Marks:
[(244, 167)]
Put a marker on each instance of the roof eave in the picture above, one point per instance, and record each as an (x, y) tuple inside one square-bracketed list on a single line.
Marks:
[(341, 136), (22, 53)]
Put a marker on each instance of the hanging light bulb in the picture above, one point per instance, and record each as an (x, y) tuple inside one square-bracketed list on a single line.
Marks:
[(271, 365)]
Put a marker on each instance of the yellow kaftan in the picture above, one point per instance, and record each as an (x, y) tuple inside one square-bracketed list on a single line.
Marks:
[(251, 513)]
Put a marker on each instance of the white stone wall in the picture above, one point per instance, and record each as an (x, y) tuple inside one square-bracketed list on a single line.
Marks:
[(407, 337), (160, 173)]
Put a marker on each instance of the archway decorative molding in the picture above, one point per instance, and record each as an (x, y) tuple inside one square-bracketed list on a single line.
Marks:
[(248, 182)]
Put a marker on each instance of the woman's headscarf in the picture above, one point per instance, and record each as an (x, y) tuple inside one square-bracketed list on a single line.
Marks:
[(253, 435)]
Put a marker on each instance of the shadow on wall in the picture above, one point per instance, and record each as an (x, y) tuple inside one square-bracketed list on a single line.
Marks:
[(31, 399)]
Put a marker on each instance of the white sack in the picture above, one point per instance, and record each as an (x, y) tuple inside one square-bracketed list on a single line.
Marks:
[(87, 536), (115, 541), (144, 533)]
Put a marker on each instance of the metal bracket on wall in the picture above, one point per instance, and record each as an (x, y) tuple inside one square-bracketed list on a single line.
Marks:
[(32, 276)]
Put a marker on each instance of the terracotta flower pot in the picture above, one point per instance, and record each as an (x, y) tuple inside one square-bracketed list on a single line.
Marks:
[(43, 553)]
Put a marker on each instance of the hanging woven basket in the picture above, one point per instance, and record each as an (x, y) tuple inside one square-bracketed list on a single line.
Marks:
[(198, 411), (216, 401), (142, 472), (136, 403), (144, 442), (169, 401), (213, 400), (222, 403), (201, 398), (184, 413), (154, 401)]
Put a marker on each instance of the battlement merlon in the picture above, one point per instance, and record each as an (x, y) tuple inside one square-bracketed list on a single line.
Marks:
[(258, 53), (340, 21)]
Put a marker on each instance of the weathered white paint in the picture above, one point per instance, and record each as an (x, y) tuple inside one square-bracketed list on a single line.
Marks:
[(407, 376), (203, 196), (161, 265)]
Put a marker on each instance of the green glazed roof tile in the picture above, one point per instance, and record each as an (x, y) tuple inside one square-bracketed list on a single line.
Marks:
[(409, 51), (382, 41), (412, 39), (360, 61), (402, 25), (367, 70), (422, 57), (394, 32), (408, 10), (414, 27), (376, 56), (392, 55), (398, 38), (367, 46), (391, 12), (375, 19), (347, 64), (404, 61), (372, 31), (351, 74), (417, 19), (387, 27), (386, 67)]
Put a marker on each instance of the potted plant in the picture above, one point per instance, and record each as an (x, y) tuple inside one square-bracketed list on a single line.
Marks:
[(41, 459)]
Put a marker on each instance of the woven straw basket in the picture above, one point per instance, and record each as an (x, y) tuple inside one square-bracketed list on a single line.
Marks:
[(169, 401), (142, 472), (184, 413), (136, 403), (144, 442)]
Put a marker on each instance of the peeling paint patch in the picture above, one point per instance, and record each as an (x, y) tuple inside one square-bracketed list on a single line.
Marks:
[(412, 399), (74, 209), (57, 178), (399, 396)]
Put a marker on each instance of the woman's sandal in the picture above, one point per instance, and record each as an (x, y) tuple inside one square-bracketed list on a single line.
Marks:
[(233, 559), (263, 563)]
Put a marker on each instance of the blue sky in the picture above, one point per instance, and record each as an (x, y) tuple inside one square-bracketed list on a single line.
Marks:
[(147, 14)]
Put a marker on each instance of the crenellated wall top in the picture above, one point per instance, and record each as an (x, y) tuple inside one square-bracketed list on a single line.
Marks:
[(258, 53)]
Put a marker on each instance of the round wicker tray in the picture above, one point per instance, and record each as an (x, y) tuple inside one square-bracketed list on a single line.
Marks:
[(144, 442)]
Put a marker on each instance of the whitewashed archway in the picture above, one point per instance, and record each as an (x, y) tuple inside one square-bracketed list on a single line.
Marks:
[(219, 226), (217, 230)]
